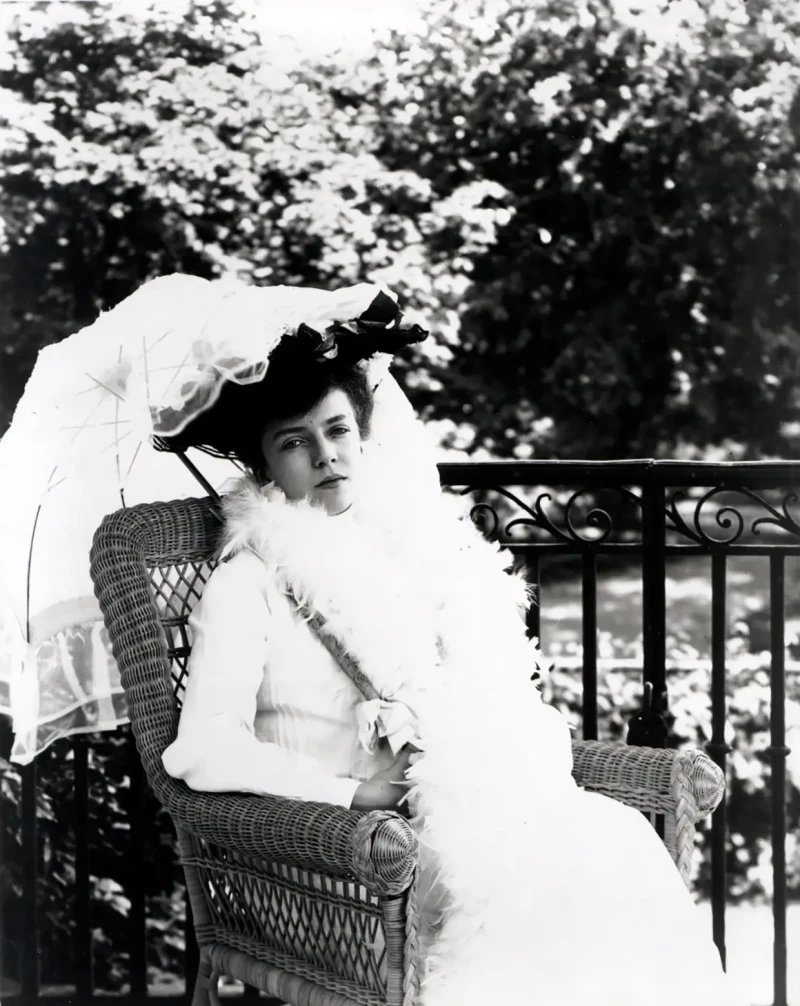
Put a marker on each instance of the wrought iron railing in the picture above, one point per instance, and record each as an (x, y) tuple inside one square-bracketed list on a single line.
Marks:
[(642, 513)]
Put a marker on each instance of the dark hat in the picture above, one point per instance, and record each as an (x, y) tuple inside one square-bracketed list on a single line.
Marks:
[(303, 364)]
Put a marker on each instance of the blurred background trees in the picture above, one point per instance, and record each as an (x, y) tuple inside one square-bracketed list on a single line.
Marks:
[(597, 211)]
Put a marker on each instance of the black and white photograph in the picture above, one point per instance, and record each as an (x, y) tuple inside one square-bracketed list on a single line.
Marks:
[(400, 502)]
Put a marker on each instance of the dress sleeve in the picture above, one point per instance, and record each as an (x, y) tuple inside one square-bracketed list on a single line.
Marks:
[(216, 749)]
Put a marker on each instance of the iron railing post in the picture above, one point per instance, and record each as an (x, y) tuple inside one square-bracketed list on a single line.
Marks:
[(30, 884), (83, 893), (777, 753), (717, 748), (138, 916), (654, 592), (589, 632)]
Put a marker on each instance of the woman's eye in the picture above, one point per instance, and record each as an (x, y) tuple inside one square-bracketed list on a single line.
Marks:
[(340, 431), (290, 445)]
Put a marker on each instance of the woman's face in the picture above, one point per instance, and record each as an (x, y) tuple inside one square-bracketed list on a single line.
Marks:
[(316, 456)]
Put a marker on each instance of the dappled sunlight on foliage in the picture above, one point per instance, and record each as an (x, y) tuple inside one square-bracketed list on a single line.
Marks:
[(587, 205)]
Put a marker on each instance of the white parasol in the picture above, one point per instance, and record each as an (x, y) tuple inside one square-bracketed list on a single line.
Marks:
[(81, 446)]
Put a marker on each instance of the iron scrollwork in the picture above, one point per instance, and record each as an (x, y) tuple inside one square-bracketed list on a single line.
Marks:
[(569, 522), (729, 517), (488, 518)]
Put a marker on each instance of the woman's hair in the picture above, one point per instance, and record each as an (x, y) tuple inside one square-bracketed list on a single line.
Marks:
[(234, 426)]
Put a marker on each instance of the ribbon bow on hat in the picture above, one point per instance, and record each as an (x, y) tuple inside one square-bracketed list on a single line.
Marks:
[(379, 329)]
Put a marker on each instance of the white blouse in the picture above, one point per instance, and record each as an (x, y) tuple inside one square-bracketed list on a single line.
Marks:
[(267, 710)]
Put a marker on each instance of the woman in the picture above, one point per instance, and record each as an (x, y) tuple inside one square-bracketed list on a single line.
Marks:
[(277, 732), (529, 885)]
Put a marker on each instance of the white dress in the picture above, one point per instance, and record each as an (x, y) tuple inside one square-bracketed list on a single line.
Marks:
[(285, 722), (554, 896)]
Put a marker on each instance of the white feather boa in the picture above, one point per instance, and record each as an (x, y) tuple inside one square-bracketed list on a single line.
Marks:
[(530, 889), (425, 605)]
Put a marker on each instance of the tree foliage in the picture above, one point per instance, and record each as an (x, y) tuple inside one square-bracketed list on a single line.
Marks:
[(599, 221), (639, 290)]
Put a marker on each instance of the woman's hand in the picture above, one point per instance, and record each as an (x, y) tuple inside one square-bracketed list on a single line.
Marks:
[(387, 788)]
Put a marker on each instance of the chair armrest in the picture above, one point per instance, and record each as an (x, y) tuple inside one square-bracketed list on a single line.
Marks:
[(379, 849), (650, 779)]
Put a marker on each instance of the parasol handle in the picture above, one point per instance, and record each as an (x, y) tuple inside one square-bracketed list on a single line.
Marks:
[(212, 492)]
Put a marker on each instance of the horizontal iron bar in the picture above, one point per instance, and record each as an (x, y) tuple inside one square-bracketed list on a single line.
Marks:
[(634, 547), (574, 662), (69, 999), (127, 999), (176, 998), (623, 472)]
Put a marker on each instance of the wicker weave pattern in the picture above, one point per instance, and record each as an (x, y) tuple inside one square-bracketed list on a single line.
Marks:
[(294, 919), (682, 786), (177, 588), (283, 985), (309, 902)]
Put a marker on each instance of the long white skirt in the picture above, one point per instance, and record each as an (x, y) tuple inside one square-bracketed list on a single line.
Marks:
[(567, 898)]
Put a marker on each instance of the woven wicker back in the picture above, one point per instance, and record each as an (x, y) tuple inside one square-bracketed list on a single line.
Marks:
[(149, 566), (177, 587)]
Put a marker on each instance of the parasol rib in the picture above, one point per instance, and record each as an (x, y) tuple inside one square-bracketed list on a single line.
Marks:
[(212, 492)]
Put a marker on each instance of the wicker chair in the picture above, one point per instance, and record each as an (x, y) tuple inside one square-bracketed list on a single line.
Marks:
[(311, 903)]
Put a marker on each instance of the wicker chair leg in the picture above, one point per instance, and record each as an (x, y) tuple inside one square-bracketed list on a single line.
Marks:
[(205, 986)]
